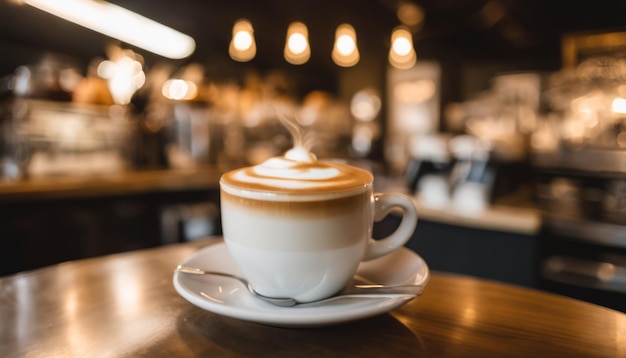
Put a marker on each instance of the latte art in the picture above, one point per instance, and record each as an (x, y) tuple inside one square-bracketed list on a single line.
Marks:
[(298, 172), (280, 168)]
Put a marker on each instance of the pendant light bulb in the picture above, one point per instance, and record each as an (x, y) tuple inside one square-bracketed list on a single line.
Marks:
[(402, 53), (345, 51), (297, 50), (242, 46)]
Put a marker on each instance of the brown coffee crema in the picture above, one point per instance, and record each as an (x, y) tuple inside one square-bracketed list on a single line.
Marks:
[(349, 179), (293, 209)]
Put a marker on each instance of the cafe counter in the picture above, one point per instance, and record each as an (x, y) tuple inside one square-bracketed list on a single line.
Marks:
[(123, 183), (49, 220), (523, 220)]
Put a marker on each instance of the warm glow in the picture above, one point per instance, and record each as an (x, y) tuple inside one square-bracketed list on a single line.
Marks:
[(242, 41), (345, 45), (418, 91), (124, 77), (297, 49), (410, 14), (297, 43), (619, 105), (345, 52), (365, 105), (402, 46), (178, 89), (242, 46), (121, 24), (402, 54)]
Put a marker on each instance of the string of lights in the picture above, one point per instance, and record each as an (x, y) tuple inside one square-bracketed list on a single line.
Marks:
[(345, 52)]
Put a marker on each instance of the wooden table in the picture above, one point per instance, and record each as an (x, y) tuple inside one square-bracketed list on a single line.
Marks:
[(125, 305)]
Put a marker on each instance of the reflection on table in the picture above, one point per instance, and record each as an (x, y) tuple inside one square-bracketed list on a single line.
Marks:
[(125, 305)]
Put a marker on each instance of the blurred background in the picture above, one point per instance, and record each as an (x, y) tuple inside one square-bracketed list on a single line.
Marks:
[(505, 120)]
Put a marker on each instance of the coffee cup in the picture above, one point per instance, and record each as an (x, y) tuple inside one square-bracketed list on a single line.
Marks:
[(299, 228)]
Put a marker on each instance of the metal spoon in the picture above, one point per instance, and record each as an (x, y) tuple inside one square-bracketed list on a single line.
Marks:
[(278, 301), (359, 290)]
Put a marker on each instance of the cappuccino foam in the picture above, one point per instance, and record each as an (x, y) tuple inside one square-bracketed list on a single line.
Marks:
[(293, 174)]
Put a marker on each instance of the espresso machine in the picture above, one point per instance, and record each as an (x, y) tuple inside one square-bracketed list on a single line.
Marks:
[(579, 158)]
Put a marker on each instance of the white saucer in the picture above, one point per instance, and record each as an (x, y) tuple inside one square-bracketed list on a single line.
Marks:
[(230, 298)]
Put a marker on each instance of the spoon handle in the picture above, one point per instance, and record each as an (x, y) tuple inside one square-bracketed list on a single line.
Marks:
[(379, 289)]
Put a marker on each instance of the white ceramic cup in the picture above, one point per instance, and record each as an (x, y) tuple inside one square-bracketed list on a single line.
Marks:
[(304, 238)]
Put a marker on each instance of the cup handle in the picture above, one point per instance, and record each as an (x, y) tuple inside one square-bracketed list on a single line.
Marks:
[(383, 204)]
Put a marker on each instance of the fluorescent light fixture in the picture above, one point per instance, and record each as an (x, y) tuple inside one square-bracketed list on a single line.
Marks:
[(121, 24)]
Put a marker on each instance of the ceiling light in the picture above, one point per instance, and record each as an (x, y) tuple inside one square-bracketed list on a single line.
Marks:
[(402, 54), (297, 49), (345, 52), (242, 47), (121, 24)]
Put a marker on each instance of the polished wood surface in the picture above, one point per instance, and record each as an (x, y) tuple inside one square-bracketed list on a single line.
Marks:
[(124, 305)]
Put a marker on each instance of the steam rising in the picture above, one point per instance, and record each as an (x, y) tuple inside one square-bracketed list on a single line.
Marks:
[(301, 140)]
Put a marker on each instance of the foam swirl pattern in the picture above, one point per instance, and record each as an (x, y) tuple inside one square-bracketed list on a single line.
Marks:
[(282, 176)]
